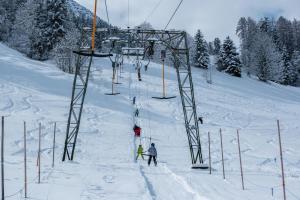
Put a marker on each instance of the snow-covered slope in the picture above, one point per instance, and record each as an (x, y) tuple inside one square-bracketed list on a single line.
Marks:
[(104, 166)]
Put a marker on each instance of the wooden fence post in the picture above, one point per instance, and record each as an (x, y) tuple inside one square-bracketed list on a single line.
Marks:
[(2, 158), (25, 162), (281, 159), (222, 153), (39, 154), (53, 150), (209, 153), (240, 156)]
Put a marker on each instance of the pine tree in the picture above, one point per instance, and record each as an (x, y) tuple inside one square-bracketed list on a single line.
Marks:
[(217, 46), (57, 14), (229, 59), (246, 30), (284, 32), (296, 34), (296, 60), (8, 10), (265, 57), (201, 58), (41, 35), (23, 27), (288, 69)]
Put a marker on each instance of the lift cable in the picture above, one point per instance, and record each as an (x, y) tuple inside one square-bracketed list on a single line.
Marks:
[(153, 10), (173, 14), (107, 13), (128, 12)]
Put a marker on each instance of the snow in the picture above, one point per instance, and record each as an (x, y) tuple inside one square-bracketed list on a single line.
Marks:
[(104, 165)]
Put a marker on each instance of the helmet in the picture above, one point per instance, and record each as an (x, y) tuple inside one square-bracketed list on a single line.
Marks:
[(153, 144)]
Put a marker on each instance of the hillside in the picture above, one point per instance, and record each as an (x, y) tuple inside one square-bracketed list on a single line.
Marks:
[(104, 166)]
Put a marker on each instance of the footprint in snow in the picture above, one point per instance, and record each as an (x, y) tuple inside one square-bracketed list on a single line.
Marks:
[(109, 179)]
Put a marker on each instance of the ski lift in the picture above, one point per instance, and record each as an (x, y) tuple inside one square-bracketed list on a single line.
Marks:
[(88, 52), (113, 64), (200, 166), (117, 68), (127, 51), (150, 49), (163, 57), (113, 40)]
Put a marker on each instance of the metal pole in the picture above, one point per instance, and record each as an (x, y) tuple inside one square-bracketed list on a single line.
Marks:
[(281, 159), (240, 156), (163, 77), (53, 149), (2, 158), (222, 153), (39, 154), (94, 26), (209, 154), (25, 162)]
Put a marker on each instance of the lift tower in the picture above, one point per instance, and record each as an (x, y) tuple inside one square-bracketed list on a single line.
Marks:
[(175, 42), (84, 59)]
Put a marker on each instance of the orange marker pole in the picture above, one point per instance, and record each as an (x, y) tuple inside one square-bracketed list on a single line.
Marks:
[(94, 26)]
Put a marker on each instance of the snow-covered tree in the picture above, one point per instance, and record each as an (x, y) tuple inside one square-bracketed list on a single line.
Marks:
[(8, 10), (57, 14), (284, 32), (296, 34), (288, 75), (41, 34), (201, 57), (49, 28), (228, 59), (246, 30), (217, 46), (296, 60), (265, 57), (63, 55), (23, 27)]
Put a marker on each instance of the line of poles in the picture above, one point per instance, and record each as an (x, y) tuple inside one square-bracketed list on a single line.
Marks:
[(25, 188), (240, 158), (53, 157)]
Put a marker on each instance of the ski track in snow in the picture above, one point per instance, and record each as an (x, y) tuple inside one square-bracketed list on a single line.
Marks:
[(105, 166)]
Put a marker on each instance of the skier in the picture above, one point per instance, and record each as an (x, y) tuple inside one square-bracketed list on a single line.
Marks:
[(133, 101), (152, 154), (200, 119), (140, 152), (137, 130), (136, 114), (139, 74)]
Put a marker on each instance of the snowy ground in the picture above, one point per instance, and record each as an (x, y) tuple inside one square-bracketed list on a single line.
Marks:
[(104, 166)]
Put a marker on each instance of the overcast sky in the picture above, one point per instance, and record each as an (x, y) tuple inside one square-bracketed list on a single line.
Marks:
[(215, 18)]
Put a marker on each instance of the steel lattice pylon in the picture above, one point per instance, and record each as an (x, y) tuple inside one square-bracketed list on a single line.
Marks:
[(186, 89), (81, 77), (84, 58), (176, 43)]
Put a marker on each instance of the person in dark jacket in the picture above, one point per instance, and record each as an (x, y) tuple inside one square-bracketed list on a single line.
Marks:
[(136, 113), (152, 154)]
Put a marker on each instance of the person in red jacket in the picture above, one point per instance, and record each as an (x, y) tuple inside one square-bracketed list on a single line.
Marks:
[(137, 131)]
